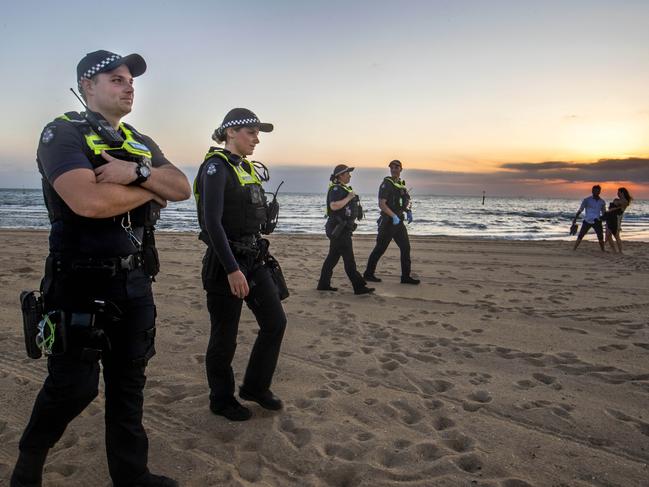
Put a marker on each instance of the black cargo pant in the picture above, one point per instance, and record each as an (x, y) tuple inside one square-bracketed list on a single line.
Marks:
[(340, 246), (388, 232), (225, 312), (72, 382)]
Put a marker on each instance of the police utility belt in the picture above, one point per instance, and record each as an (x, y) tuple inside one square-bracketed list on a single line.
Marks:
[(103, 265)]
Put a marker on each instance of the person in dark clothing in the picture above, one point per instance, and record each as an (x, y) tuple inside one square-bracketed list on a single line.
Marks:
[(101, 200), (232, 212), (343, 209), (613, 217), (394, 202)]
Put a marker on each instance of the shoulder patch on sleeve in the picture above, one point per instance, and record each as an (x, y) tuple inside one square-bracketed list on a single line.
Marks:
[(48, 134), (211, 168)]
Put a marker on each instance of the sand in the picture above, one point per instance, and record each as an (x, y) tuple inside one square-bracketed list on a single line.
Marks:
[(513, 364)]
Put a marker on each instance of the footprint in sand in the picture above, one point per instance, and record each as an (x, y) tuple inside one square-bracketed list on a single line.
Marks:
[(573, 330), (470, 463), (442, 423), (390, 458), (524, 385), (364, 436), (429, 452), (250, 466), (339, 451), (515, 483), (408, 414), (458, 442), (545, 379), (612, 347), (625, 418), (299, 437), (477, 400), (63, 469), (319, 394)]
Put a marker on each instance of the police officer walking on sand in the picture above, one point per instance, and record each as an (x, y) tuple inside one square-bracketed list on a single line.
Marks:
[(343, 209), (103, 184), (232, 213), (394, 202)]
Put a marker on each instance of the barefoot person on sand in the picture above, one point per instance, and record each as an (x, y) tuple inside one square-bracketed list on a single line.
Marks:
[(613, 217), (595, 207)]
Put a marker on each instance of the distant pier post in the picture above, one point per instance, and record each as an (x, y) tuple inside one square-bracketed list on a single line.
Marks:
[(483, 195)]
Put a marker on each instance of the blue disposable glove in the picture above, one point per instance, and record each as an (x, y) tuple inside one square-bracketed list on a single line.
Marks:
[(395, 220), (409, 216)]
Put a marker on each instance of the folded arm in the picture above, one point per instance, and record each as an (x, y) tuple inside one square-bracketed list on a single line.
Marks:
[(166, 181), (86, 197)]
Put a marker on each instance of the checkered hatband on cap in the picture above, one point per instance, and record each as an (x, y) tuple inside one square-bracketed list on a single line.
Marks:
[(93, 70), (237, 123)]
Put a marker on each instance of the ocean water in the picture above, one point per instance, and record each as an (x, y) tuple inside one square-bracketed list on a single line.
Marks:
[(458, 216)]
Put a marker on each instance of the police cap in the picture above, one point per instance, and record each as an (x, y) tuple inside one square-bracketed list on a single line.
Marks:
[(242, 117), (102, 61)]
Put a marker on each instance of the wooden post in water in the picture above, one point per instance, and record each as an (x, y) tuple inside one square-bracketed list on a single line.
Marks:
[(483, 195)]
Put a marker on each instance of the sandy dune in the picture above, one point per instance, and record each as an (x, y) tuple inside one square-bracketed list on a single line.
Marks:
[(513, 364)]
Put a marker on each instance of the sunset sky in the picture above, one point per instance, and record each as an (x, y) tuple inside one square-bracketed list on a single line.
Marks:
[(514, 97)]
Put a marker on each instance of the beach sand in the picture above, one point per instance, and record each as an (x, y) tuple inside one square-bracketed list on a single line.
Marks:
[(513, 364)]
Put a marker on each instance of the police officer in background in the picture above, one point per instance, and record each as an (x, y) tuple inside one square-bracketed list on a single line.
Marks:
[(343, 209), (232, 212), (102, 201), (394, 202)]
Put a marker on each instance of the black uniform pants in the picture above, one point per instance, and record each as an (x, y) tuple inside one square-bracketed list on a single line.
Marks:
[(340, 246), (225, 312), (73, 377), (388, 232)]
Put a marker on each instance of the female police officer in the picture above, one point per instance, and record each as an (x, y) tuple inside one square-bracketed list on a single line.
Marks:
[(232, 211), (343, 208)]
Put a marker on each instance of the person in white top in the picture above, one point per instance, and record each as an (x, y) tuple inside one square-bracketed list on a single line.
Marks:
[(595, 208)]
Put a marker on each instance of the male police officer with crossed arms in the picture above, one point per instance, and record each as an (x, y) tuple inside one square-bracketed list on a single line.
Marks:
[(101, 200)]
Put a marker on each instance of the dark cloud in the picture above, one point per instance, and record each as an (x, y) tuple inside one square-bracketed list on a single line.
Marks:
[(632, 169)]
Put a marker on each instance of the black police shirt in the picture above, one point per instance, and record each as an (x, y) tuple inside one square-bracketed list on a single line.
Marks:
[(61, 149), (387, 192), (337, 193)]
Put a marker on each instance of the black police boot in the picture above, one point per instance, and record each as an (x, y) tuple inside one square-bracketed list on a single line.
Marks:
[(326, 288), (409, 280), (266, 400), (364, 290), (28, 471), (152, 480), (371, 277), (231, 409)]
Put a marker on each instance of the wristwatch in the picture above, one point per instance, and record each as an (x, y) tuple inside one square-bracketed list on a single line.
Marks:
[(142, 171)]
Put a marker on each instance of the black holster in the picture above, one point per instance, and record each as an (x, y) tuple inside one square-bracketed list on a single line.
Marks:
[(278, 277), (31, 303), (151, 260)]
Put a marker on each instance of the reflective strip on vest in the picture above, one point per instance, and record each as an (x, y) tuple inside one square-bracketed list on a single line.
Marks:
[(401, 184), (130, 145), (243, 176), (331, 185)]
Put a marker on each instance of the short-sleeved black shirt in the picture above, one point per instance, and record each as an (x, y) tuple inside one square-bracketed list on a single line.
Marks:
[(336, 193), (391, 194), (62, 148)]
